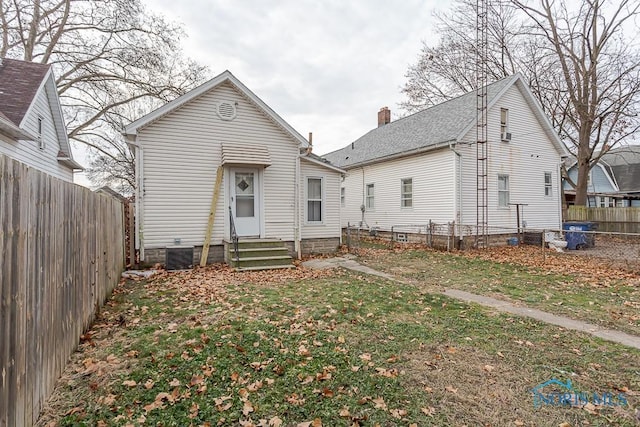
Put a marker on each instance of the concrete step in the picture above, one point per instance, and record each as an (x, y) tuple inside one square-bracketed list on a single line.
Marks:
[(259, 252), (262, 261), (272, 267)]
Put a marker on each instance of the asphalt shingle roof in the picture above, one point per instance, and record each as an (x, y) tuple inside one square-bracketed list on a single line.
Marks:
[(19, 82), (624, 163), (438, 124)]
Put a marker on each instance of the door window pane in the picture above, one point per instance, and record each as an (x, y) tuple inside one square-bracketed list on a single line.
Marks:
[(245, 206)]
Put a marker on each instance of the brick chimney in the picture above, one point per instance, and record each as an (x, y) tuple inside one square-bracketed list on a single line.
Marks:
[(384, 116)]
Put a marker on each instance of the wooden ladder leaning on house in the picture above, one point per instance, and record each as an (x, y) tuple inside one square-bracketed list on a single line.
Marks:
[(212, 216)]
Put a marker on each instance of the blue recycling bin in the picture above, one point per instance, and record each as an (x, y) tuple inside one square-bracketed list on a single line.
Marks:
[(574, 234)]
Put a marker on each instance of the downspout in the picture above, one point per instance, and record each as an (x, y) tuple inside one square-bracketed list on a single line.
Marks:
[(296, 208), (458, 189), (363, 206), (139, 229), (560, 195)]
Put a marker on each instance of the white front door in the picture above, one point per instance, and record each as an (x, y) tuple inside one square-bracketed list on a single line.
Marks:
[(245, 201)]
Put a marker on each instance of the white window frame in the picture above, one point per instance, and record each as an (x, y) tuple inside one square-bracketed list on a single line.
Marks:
[(406, 196), (504, 121), (39, 128), (321, 200), (370, 199), (548, 184), (343, 199), (503, 178)]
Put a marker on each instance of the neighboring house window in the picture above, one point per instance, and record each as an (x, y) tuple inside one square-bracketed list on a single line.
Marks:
[(342, 196), (406, 193), (314, 199), (503, 190), (370, 201), (39, 133), (548, 187), (504, 122)]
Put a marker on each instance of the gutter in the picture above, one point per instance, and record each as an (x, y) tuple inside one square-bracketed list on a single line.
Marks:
[(439, 145)]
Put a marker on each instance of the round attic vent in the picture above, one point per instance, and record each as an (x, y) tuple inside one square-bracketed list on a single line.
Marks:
[(226, 111)]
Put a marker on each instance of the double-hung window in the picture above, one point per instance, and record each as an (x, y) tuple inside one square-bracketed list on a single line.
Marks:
[(548, 187), (39, 129), (369, 199), (406, 192), (503, 191), (314, 200)]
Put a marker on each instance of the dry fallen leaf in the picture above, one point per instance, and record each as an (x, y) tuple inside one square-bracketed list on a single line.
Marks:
[(430, 411), (129, 383), (275, 422), (344, 412), (398, 413), (380, 404), (451, 389)]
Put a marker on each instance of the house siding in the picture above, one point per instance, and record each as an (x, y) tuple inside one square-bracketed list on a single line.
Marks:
[(433, 184), (598, 183), (330, 226), (28, 152), (525, 159), (182, 152)]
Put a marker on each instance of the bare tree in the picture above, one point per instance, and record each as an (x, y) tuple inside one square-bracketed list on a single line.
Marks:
[(108, 55), (599, 78), (580, 64), (448, 69)]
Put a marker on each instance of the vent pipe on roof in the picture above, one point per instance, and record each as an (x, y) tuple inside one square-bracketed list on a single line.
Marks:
[(384, 116)]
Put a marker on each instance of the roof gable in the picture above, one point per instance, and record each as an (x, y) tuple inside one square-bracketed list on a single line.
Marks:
[(624, 164), (433, 127), (19, 84), (131, 130)]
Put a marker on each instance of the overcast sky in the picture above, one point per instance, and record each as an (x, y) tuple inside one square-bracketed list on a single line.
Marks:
[(325, 66)]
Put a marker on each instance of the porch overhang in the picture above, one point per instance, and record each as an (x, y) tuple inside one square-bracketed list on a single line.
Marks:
[(245, 154)]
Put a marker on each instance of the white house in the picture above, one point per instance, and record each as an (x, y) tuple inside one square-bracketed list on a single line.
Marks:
[(423, 167), (270, 187), (32, 128)]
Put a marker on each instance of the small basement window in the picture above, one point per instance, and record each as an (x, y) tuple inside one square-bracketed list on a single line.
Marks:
[(401, 237)]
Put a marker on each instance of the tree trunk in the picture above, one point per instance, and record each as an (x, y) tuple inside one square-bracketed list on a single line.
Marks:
[(583, 174)]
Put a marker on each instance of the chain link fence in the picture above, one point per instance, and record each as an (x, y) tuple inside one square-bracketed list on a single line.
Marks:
[(610, 248)]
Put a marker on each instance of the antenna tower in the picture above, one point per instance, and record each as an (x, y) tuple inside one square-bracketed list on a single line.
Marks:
[(482, 152)]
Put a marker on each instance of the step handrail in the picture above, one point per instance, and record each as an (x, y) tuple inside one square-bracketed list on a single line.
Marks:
[(234, 235)]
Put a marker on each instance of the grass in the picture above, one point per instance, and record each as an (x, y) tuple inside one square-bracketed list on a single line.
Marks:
[(596, 297), (335, 349)]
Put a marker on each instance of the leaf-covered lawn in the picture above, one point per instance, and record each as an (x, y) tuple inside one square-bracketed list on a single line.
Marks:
[(305, 348), (579, 287)]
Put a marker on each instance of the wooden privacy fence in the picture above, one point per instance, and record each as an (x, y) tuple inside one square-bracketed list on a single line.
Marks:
[(62, 252), (617, 220)]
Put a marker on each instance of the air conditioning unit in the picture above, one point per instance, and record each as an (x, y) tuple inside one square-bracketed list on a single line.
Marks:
[(506, 136), (178, 258)]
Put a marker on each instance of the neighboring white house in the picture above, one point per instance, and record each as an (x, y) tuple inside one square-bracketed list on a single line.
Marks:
[(423, 167), (32, 129), (271, 184)]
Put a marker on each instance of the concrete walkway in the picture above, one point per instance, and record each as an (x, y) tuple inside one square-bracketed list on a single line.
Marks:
[(629, 340)]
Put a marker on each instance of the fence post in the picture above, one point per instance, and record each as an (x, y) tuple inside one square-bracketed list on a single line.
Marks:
[(392, 239), (544, 243), (348, 236), (430, 235)]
